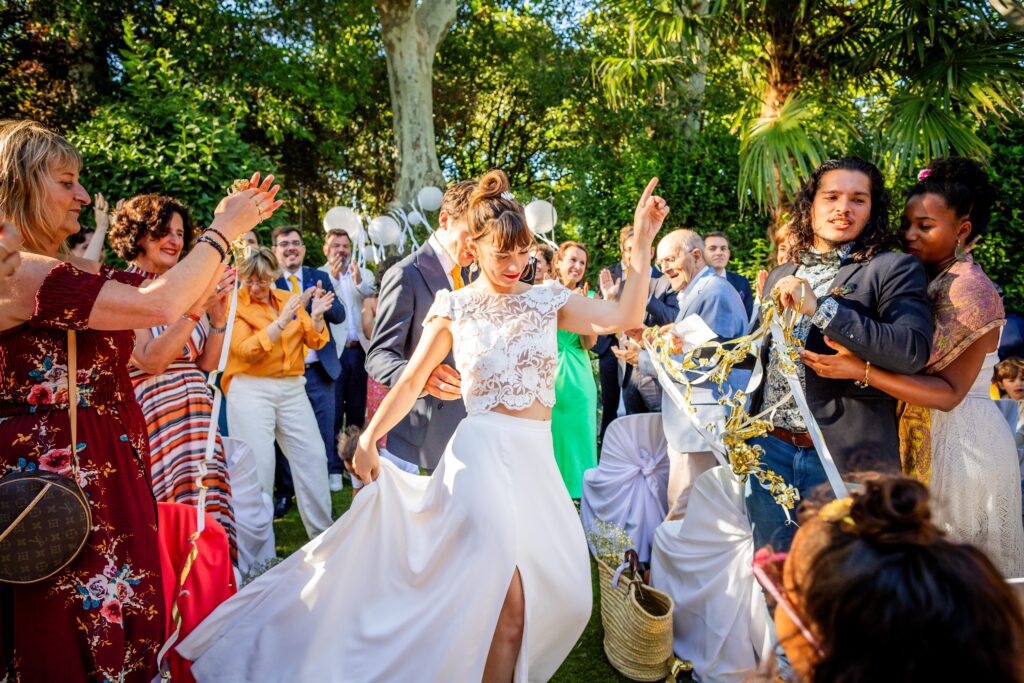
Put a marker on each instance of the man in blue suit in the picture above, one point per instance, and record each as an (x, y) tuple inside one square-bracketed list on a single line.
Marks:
[(322, 366), (718, 305)]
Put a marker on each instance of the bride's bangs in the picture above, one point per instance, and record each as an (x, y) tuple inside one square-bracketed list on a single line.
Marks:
[(509, 231)]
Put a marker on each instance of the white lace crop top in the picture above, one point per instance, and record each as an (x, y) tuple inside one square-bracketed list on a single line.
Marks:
[(505, 345)]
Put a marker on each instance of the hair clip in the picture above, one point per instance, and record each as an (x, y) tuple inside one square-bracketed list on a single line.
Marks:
[(508, 195), (925, 172), (838, 512)]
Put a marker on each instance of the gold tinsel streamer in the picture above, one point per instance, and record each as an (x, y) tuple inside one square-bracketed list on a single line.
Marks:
[(740, 427)]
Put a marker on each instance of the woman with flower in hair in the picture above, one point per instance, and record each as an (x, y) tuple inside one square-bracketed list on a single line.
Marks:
[(480, 571), (952, 436), (101, 617)]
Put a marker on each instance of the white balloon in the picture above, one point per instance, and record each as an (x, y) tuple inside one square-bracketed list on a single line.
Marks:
[(541, 216), (414, 218), (343, 218), (384, 230), (430, 198)]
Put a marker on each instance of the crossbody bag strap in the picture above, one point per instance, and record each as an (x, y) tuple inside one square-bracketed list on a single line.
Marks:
[(73, 398)]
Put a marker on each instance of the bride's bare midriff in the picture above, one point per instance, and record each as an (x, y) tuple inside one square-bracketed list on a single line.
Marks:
[(537, 411)]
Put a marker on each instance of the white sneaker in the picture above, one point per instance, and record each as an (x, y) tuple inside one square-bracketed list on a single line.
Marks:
[(336, 483)]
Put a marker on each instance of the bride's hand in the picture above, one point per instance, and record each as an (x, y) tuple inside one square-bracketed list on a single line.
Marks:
[(366, 461)]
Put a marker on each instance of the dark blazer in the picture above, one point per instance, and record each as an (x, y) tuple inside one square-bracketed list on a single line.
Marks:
[(406, 294), (885, 319), (742, 285), (328, 355)]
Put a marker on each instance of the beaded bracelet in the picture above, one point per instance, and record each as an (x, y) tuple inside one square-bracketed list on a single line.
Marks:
[(218, 330), (191, 316), (218, 233), (213, 243)]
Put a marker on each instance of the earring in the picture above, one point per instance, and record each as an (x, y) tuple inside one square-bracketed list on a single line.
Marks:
[(960, 253), (472, 266)]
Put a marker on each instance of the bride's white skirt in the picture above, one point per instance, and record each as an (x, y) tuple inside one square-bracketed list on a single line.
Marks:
[(408, 584)]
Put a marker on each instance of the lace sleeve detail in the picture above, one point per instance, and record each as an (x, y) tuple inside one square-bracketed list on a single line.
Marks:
[(66, 297), (551, 296), (443, 306)]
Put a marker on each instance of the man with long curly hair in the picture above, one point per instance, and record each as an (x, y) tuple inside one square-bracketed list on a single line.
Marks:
[(850, 286)]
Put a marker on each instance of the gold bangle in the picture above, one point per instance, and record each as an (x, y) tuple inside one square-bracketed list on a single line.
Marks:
[(863, 384)]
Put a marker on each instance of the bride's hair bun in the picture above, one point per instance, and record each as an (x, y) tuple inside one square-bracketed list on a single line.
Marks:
[(495, 214), (893, 511), (965, 187), (492, 185)]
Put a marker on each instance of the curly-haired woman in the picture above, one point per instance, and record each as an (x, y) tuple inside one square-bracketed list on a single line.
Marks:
[(169, 362)]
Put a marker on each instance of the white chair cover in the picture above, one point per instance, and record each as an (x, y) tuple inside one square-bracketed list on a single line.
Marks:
[(629, 487), (253, 508), (704, 561)]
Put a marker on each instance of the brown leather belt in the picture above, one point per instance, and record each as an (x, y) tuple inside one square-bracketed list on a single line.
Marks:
[(798, 439)]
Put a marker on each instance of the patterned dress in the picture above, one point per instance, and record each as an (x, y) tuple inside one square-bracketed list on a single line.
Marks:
[(177, 405), (101, 618)]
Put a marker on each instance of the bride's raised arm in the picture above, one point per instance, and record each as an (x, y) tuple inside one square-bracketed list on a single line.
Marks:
[(430, 352), (593, 316)]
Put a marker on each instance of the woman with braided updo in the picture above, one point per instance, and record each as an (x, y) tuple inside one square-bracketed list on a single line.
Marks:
[(952, 436)]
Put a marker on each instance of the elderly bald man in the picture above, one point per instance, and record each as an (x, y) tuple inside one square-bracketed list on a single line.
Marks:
[(680, 256)]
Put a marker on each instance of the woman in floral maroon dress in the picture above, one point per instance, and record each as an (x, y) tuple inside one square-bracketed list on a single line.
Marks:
[(101, 618)]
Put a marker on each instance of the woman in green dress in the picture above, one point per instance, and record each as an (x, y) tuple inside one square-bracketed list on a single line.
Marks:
[(574, 417)]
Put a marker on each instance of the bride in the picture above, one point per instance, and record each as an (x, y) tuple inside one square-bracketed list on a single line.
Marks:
[(481, 571)]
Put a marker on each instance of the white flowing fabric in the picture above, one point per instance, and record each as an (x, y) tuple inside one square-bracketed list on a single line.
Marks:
[(704, 561), (976, 476), (408, 584), (629, 485), (254, 510)]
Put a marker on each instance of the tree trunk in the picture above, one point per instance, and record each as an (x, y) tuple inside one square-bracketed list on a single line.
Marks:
[(412, 32)]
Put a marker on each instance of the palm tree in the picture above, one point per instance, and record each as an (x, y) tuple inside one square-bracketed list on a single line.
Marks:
[(914, 76)]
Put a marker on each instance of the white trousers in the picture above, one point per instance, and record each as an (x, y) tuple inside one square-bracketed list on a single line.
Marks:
[(683, 471), (262, 409)]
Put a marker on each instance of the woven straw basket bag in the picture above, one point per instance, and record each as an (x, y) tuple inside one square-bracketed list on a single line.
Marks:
[(637, 623)]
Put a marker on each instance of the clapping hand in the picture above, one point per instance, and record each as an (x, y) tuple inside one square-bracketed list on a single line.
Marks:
[(609, 287), (584, 289), (288, 310), (101, 213), (322, 302), (241, 211), (357, 275), (310, 292), (650, 213), (335, 264)]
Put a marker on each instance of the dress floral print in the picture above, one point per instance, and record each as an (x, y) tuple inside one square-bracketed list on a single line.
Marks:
[(103, 615)]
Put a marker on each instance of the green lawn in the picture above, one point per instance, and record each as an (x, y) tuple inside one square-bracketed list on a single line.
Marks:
[(587, 661)]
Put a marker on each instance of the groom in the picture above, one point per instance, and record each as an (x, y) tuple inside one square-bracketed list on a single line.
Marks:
[(406, 295)]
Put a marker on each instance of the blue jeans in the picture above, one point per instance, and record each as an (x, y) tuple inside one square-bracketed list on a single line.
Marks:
[(799, 467)]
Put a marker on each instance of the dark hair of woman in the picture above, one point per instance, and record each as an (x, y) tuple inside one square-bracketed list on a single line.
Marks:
[(965, 188), (876, 237), (495, 213), (146, 215), (891, 599)]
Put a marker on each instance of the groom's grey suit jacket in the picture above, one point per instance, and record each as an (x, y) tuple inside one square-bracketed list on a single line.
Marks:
[(406, 295)]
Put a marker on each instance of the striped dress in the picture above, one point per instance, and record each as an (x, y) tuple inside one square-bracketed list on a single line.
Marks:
[(177, 405)]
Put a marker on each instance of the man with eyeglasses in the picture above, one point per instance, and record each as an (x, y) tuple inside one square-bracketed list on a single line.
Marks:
[(322, 366), (680, 256)]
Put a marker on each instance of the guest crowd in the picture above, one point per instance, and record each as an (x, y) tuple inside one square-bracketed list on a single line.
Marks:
[(900, 368)]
